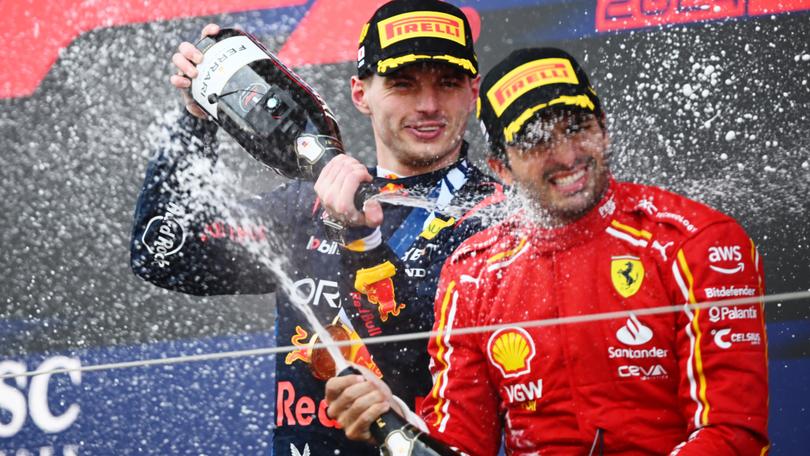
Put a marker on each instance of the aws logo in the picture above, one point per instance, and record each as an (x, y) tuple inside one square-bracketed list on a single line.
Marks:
[(726, 254), (511, 350), (627, 274)]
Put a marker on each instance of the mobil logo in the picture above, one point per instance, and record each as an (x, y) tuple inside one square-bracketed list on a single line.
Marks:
[(322, 246), (315, 291)]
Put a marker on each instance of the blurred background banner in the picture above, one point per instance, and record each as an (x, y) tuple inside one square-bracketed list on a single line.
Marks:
[(708, 98)]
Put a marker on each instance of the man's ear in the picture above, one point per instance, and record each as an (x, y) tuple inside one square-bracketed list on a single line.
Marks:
[(475, 85), (359, 87), (501, 169)]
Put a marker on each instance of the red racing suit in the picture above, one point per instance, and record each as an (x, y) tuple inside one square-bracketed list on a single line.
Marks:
[(688, 381)]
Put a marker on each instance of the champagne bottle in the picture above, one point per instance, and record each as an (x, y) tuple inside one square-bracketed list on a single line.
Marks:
[(395, 436), (267, 108)]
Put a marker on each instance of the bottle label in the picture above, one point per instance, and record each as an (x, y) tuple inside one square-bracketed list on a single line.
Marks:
[(220, 62), (399, 444)]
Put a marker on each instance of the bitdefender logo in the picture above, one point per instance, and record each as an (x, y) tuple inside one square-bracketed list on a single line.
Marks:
[(729, 292)]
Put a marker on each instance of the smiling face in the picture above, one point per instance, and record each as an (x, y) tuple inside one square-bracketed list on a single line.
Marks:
[(418, 114), (560, 164)]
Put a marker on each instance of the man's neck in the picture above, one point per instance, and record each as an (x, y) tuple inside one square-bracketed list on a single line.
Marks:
[(388, 162)]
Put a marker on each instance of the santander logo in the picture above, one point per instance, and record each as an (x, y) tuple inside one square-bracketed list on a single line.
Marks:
[(634, 332)]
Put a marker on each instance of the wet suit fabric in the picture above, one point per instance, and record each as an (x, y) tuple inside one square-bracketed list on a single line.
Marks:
[(189, 235)]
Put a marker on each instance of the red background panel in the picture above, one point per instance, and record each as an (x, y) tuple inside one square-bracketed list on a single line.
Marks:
[(34, 31)]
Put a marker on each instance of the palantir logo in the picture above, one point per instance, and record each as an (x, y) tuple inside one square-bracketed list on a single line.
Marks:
[(634, 332)]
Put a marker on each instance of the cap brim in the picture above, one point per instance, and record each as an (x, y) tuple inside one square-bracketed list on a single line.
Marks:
[(577, 102), (390, 65)]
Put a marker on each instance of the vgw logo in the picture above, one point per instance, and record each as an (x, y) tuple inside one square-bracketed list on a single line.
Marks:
[(16, 404), (521, 392)]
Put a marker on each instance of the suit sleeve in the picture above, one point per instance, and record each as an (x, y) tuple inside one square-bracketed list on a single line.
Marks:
[(188, 234), (385, 293), (462, 409), (723, 348)]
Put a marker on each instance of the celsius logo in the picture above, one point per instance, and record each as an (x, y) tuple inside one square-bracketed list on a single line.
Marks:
[(752, 338), (718, 338), (634, 332)]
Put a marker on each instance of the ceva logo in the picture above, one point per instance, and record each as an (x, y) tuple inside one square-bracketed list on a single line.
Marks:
[(634, 332)]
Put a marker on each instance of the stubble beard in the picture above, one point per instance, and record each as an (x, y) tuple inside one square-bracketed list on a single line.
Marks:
[(425, 155), (559, 215)]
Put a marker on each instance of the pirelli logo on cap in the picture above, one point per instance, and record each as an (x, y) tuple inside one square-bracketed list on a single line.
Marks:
[(527, 77), (419, 24)]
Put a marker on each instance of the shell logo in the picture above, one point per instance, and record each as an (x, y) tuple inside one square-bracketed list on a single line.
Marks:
[(511, 351)]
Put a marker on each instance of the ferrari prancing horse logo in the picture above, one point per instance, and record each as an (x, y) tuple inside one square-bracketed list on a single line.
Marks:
[(627, 273)]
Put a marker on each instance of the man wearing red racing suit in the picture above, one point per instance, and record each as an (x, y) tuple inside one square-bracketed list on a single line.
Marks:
[(637, 385), (683, 379), (691, 381)]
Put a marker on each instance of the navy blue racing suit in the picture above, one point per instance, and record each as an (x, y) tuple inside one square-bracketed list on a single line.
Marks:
[(189, 235)]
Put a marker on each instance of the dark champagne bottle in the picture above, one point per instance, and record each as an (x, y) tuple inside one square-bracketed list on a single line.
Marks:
[(395, 436), (267, 108)]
